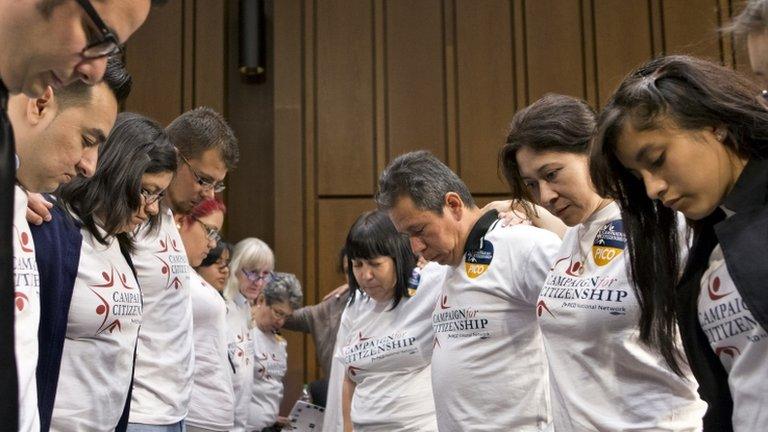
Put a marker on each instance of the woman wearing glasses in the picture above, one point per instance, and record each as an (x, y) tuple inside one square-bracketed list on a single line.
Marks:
[(87, 271), (250, 269), (212, 405), (276, 302)]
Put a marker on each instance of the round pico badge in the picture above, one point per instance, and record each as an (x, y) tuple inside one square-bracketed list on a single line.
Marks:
[(609, 243), (476, 261)]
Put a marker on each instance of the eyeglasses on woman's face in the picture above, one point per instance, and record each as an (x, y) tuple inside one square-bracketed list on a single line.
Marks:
[(256, 276), (212, 233)]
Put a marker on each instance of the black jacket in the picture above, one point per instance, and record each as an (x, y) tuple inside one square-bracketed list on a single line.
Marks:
[(743, 238)]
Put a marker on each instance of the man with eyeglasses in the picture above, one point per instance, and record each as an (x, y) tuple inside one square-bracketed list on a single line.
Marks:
[(42, 43), (207, 149)]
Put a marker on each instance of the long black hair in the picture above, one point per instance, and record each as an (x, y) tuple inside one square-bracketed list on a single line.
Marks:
[(373, 235), (136, 146), (693, 94)]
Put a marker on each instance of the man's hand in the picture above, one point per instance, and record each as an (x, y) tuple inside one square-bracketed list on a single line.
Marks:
[(338, 292), (38, 209)]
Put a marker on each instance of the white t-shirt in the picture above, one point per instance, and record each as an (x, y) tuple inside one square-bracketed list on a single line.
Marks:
[(164, 359), (26, 283), (488, 367), (602, 376), (333, 420), (240, 353), (212, 404), (267, 390), (102, 328), (387, 354), (739, 341)]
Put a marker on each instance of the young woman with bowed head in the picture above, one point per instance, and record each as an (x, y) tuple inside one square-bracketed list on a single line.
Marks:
[(602, 375), (685, 135), (87, 272), (388, 343), (215, 267), (212, 406)]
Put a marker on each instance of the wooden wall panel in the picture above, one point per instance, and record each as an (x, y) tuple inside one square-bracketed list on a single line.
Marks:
[(692, 28), (554, 48), (622, 41), (344, 73), (415, 78), (485, 88), (154, 59)]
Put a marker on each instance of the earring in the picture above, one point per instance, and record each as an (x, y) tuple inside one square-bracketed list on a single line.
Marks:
[(720, 135)]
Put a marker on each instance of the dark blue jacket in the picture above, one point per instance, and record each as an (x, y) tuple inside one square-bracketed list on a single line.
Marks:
[(743, 238), (57, 250)]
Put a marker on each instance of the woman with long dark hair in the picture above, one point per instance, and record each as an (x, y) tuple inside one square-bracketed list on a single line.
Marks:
[(683, 134), (88, 286), (387, 350), (587, 309)]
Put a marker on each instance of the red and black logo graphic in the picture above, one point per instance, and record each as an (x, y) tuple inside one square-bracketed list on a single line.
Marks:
[(24, 240), (166, 247), (111, 279), (714, 289), (573, 269), (21, 301), (354, 370), (541, 307), (730, 351)]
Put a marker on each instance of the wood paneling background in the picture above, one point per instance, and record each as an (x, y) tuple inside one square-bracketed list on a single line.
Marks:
[(353, 83)]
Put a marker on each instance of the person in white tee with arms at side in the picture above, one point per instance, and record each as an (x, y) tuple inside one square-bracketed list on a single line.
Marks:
[(488, 366), (388, 348), (603, 377), (207, 149)]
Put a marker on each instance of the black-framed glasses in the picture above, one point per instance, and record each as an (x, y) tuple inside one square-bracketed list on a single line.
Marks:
[(254, 276), (277, 314), (108, 44), (211, 232), (205, 183), (151, 198)]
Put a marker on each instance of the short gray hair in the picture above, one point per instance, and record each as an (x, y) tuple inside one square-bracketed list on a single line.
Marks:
[(754, 17), (422, 177), (284, 287)]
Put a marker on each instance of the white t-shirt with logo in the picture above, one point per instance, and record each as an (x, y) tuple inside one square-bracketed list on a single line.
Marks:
[(164, 359), (488, 367), (212, 403), (271, 363), (26, 282), (103, 324), (739, 341), (240, 353), (387, 354), (602, 376)]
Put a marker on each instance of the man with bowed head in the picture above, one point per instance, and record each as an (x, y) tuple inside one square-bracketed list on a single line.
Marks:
[(42, 43), (488, 366)]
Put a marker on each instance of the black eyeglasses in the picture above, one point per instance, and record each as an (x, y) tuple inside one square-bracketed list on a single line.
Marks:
[(150, 198), (206, 184), (108, 44), (210, 232)]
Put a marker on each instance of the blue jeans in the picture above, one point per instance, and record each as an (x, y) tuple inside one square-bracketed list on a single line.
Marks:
[(138, 427)]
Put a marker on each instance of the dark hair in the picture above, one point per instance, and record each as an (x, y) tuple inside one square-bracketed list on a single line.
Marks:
[(422, 177), (342, 258), (202, 129), (116, 77), (754, 17), (373, 235), (692, 94), (216, 253), (136, 146), (553, 123)]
